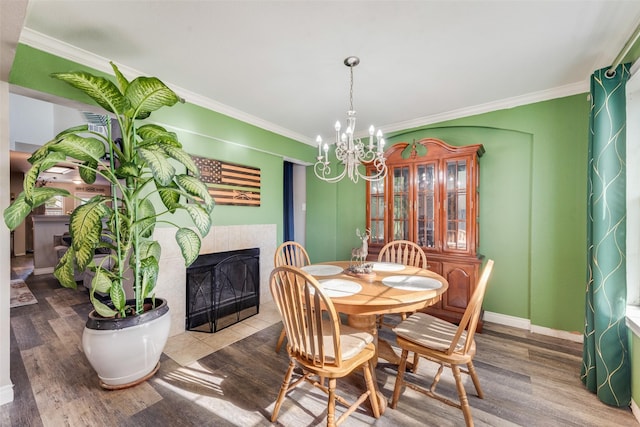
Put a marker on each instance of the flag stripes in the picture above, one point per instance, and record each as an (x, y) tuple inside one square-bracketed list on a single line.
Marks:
[(222, 177), (240, 175), (228, 196)]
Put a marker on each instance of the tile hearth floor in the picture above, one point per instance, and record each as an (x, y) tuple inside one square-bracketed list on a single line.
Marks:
[(232, 378)]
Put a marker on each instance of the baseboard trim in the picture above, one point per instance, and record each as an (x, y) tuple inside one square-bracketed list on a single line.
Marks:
[(43, 270), (504, 319), (519, 322), (635, 410), (570, 336), (6, 394)]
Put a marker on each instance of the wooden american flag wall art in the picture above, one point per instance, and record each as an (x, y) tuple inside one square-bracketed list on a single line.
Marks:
[(229, 183)]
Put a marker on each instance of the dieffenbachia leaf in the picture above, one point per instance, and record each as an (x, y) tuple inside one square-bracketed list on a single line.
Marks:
[(195, 187), (189, 243), (201, 218), (147, 94), (81, 148), (183, 157), (19, 209), (146, 218), (101, 90), (65, 270), (85, 228), (162, 170)]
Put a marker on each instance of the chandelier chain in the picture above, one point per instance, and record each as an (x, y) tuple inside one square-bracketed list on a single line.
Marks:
[(351, 90)]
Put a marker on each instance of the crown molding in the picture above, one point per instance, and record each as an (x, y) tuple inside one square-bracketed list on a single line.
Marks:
[(64, 50), (81, 56), (531, 98)]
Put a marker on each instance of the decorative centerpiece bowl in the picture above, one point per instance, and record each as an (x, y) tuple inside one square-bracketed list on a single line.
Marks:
[(364, 270)]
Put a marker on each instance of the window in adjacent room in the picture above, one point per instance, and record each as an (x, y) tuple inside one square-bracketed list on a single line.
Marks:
[(82, 198), (54, 206)]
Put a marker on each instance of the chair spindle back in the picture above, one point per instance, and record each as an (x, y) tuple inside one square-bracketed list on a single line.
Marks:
[(291, 253), (403, 252), (310, 319), (471, 315)]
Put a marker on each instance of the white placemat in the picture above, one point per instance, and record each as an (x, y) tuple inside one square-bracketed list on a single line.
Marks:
[(412, 283), (340, 287), (322, 269), (387, 266)]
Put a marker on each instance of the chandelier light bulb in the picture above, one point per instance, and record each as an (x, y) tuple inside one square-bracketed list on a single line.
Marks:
[(381, 146)]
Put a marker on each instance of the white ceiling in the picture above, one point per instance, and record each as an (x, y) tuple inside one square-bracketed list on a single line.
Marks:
[(279, 64)]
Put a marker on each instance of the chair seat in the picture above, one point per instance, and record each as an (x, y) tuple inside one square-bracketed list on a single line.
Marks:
[(352, 342), (429, 331)]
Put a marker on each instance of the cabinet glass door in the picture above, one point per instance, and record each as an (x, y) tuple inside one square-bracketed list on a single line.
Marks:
[(456, 205), (376, 210), (401, 208), (425, 218)]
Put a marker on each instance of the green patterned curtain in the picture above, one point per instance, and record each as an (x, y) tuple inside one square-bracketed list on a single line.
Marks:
[(606, 368)]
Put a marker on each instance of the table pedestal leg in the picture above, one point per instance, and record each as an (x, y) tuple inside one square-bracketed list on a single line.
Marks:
[(368, 323), (365, 323), (383, 348)]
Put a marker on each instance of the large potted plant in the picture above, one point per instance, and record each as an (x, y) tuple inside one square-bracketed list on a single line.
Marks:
[(151, 177)]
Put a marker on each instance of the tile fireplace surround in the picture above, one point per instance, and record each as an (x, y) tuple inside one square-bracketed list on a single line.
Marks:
[(173, 277)]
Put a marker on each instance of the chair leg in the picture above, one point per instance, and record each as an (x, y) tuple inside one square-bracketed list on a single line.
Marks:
[(283, 391), (436, 378), (331, 409), (462, 394), (373, 396), (416, 358), (281, 338), (475, 379), (399, 378)]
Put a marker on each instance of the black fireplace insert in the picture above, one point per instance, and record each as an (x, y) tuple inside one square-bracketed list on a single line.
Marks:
[(223, 288)]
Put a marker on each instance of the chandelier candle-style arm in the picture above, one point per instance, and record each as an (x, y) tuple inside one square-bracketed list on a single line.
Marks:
[(351, 152)]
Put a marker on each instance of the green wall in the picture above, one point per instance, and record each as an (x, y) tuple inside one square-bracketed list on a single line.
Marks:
[(557, 210), (532, 207), (533, 186), (201, 131)]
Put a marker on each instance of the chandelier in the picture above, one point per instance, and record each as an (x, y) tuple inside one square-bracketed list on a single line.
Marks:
[(353, 153)]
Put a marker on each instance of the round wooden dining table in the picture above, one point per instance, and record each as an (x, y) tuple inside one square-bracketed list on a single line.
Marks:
[(389, 288)]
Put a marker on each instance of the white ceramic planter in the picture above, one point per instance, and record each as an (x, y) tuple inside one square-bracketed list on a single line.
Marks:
[(124, 352)]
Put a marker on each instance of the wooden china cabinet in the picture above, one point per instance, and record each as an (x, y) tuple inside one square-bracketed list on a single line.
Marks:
[(432, 200)]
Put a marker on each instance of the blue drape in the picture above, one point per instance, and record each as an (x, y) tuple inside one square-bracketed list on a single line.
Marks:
[(606, 367), (288, 232)]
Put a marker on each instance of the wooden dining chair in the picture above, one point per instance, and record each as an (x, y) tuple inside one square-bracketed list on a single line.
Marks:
[(294, 254), (446, 344), (319, 344), (401, 252), (291, 253)]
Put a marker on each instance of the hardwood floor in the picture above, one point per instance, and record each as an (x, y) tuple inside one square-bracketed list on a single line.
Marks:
[(232, 378)]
